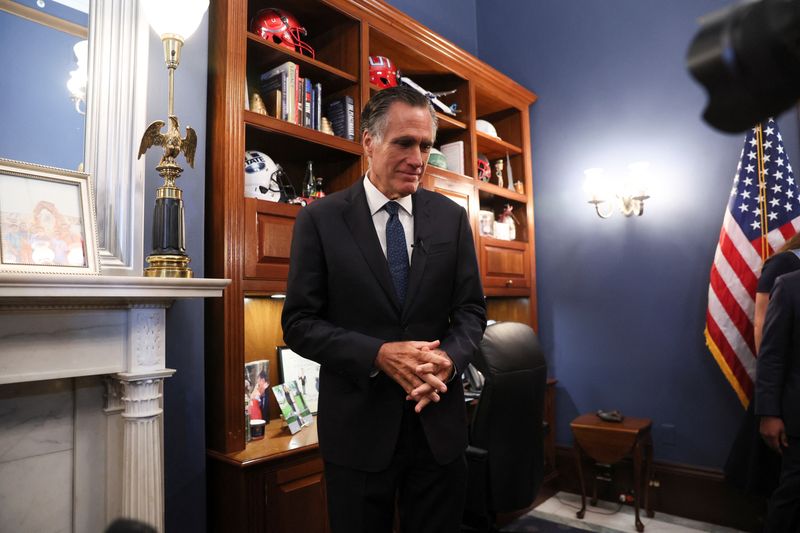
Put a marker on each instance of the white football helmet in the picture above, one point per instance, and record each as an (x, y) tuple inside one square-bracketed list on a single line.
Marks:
[(260, 177)]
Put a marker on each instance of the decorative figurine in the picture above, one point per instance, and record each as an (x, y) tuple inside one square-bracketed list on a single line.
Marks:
[(257, 104), (507, 218), (326, 126), (498, 171)]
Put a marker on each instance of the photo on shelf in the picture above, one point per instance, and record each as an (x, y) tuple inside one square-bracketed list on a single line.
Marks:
[(292, 405), (256, 387), (486, 222), (294, 367)]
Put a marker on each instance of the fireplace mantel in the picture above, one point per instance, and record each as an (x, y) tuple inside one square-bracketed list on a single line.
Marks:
[(112, 329)]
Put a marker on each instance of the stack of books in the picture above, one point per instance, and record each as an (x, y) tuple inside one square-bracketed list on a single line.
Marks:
[(341, 113), (290, 97)]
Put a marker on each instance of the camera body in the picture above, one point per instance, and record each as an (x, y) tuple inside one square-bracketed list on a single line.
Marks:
[(748, 59)]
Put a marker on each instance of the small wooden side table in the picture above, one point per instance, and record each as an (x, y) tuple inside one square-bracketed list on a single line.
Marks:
[(609, 443)]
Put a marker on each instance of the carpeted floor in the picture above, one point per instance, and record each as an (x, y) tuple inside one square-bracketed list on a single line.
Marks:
[(557, 514), (534, 524)]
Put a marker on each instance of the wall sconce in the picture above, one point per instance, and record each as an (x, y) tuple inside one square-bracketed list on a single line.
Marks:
[(628, 193), (76, 84), (174, 22)]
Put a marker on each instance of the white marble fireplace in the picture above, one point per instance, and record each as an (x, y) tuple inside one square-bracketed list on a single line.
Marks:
[(82, 365)]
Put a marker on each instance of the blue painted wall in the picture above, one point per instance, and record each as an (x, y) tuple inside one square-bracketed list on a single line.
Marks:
[(622, 301), (453, 19), (184, 393)]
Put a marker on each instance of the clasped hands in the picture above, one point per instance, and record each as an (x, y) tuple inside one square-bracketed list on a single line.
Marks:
[(420, 367)]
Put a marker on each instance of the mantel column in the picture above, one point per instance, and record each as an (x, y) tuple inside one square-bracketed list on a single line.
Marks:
[(143, 440), (142, 453)]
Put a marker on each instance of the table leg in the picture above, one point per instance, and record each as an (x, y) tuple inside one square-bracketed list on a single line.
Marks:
[(648, 503), (637, 482), (579, 461)]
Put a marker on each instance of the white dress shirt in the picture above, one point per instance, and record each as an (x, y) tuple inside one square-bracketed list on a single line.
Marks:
[(376, 200)]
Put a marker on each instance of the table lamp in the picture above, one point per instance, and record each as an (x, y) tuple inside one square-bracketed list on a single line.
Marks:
[(174, 21)]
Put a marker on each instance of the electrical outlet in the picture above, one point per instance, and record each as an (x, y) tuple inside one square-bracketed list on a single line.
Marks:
[(668, 434)]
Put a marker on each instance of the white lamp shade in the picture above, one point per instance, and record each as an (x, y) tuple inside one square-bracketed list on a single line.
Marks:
[(597, 186), (639, 179), (178, 17)]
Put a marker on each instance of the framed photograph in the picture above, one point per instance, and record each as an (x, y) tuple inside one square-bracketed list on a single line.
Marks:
[(293, 367), (256, 389), (292, 405), (47, 222)]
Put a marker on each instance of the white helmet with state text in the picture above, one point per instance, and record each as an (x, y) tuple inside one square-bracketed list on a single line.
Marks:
[(260, 177)]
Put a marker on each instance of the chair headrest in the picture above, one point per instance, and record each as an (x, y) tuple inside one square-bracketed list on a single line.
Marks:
[(509, 347)]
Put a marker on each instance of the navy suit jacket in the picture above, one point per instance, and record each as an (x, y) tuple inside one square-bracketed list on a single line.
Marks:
[(778, 372), (341, 307)]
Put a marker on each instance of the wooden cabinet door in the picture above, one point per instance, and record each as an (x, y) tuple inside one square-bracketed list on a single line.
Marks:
[(505, 267), (296, 498), (268, 239)]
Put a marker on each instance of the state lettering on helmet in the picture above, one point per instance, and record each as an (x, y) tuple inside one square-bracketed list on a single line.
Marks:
[(261, 178)]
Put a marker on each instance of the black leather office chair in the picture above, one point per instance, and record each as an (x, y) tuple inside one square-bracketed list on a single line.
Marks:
[(506, 451)]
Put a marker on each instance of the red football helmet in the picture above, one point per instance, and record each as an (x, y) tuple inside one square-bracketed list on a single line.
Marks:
[(484, 170), (280, 27), (382, 72)]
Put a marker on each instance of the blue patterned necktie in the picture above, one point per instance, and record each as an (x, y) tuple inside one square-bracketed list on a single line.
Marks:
[(396, 251)]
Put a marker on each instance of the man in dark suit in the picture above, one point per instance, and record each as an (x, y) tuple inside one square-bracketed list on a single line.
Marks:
[(384, 292), (778, 398)]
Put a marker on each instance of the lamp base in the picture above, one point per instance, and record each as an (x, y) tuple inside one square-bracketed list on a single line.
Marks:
[(168, 266)]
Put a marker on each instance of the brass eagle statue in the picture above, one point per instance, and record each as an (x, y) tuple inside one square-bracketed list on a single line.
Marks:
[(173, 145)]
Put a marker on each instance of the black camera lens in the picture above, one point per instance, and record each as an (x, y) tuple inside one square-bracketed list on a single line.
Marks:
[(748, 59)]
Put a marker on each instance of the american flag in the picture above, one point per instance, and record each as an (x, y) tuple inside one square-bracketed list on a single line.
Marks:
[(762, 213)]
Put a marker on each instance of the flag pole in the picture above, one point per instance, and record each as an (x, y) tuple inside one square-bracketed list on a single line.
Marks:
[(762, 197)]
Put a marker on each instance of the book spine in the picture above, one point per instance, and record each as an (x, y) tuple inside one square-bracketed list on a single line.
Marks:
[(285, 97), (314, 107), (307, 97), (290, 94), (351, 120), (318, 101), (298, 95)]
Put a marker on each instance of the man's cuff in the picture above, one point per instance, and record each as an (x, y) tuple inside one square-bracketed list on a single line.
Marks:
[(454, 373)]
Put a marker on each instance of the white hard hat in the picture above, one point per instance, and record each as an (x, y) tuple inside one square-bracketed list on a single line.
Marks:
[(486, 127)]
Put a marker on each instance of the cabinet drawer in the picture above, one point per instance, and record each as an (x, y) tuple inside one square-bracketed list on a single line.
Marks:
[(268, 238)]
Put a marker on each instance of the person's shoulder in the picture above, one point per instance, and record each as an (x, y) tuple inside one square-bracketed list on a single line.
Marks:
[(333, 202), (788, 257), (781, 263), (792, 279)]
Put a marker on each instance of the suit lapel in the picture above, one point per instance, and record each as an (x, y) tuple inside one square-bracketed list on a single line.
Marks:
[(422, 232), (359, 221)]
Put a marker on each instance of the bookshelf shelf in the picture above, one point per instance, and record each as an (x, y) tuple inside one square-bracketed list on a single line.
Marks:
[(262, 55), (490, 189), (446, 122), (494, 147), (301, 133)]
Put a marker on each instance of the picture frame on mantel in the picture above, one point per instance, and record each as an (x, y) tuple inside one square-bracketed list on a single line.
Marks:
[(47, 220)]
